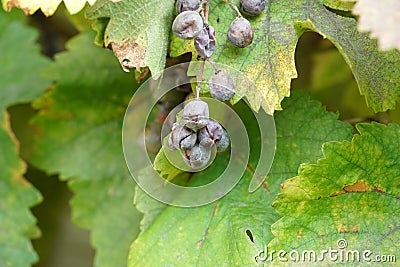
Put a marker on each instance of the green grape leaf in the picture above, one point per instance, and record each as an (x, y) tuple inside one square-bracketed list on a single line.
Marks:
[(47, 7), (269, 60), (381, 18), (138, 31), (79, 136), (19, 82), (352, 193), (20, 62), (16, 196), (162, 165), (147, 205), (237, 225)]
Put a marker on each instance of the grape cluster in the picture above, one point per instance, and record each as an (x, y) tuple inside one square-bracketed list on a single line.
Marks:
[(192, 23), (162, 108), (195, 134)]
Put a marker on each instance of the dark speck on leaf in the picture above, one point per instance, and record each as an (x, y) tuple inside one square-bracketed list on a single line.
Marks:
[(250, 235)]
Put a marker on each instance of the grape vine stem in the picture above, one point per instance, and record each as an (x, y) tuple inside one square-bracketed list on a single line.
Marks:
[(216, 70), (200, 79), (233, 6), (201, 70), (206, 10)]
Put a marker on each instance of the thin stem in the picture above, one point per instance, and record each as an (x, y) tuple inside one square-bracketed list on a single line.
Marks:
[(216, 70), (382, 117), (358, 120), (200, 79), (206, 10), (233, 6)]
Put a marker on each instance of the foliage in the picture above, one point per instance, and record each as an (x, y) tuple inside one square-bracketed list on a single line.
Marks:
[(329, 180), (69, 120), (222, 225), (351, 193), (137, 30), (47, 7), (269, 61), (21, 61)]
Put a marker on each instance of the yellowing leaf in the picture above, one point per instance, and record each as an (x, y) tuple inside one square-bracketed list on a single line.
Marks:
[(269, 60), (345, 5), (16, 196), (351, 194), (138, 31), (48, 7)]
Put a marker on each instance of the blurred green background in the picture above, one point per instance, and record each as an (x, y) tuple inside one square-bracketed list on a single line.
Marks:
[(321, 71)]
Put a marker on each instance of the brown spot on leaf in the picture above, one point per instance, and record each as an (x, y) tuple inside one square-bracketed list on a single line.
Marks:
[(348, 229), (16, 3), (142, 75), (16, 171), (379, 190), (359, 186), (130, 54), (200, 242), (214, 212)]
